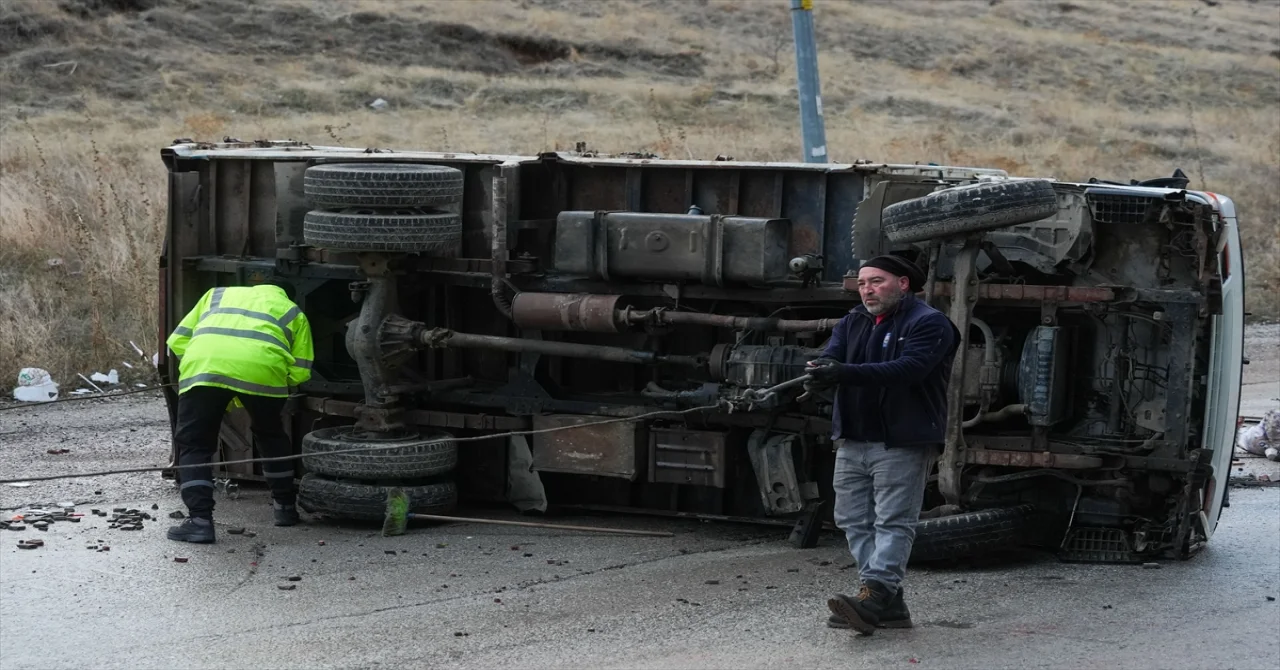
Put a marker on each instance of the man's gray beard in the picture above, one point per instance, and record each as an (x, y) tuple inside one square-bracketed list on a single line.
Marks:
[(887, 303)]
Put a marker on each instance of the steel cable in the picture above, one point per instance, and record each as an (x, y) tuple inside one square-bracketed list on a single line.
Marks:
[(359, 450)]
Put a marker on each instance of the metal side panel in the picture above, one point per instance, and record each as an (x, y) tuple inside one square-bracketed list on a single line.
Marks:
[(184, 237), (695, 457), (290, 202), (231, 206), (612, 450), (262, 209)]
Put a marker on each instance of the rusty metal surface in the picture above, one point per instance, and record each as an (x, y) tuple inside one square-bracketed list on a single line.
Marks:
[(1032, 293), (1031, 459), (674, 247), (419, 417), (566, 311), (960, 312), (612, 450), (292, 150), (661, 317), (695, 457), (435, 338)]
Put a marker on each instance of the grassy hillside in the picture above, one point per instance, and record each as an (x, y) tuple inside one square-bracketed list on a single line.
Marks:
[(91, 89)]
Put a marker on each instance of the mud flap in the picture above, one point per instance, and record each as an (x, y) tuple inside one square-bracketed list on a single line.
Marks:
[(804, 535), (524, 485), (775, 472)]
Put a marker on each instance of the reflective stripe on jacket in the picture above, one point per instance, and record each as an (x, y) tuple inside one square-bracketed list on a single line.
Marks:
[(251, 339)]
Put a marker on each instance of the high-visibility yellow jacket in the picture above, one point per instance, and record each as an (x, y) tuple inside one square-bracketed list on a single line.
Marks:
[(250, 339)]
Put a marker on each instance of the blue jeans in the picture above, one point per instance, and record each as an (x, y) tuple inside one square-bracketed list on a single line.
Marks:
[(879, 492)]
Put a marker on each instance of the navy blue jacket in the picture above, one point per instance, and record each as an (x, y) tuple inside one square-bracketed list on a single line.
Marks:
[(893, 375)]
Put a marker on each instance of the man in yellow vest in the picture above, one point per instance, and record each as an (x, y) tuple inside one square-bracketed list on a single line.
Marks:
[(245, 343)]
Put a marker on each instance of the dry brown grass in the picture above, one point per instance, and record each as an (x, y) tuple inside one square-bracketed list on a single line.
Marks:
[(78, 244), (1026, 86)]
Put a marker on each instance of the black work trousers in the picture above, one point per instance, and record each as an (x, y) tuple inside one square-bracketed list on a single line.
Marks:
[(200, 411)]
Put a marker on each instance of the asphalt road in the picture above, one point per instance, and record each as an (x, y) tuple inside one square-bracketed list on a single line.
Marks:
[(713, 596), (472, 596), (484, 596)]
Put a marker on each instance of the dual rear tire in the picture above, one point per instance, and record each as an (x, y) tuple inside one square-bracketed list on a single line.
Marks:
[(355, 485), (384, 207)]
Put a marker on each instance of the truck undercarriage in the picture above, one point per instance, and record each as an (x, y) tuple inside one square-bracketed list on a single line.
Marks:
[(1092, 405)]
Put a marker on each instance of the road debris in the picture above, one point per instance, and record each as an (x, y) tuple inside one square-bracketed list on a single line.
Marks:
[(1253, 480), (180, 559), (1150, 566), (294, 578), (286, 587), (177, 514), (235, 531)]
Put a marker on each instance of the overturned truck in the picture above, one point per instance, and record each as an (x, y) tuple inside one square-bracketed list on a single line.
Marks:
[(582, 330)]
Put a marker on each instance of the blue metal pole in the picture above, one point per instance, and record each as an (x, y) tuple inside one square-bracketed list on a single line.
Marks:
[(812, 129)]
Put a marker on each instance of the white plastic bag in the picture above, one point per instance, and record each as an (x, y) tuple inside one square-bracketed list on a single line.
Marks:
[(112, 377), (35, 385)]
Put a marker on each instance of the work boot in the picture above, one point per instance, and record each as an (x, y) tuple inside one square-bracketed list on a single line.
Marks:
[(286, 515), (862, 611), (896, 615), (193, 529)]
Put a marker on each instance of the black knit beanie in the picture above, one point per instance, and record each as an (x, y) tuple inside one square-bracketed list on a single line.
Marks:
[(900, 267)]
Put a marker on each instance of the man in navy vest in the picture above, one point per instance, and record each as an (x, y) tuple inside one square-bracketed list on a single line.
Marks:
[(889, 361)]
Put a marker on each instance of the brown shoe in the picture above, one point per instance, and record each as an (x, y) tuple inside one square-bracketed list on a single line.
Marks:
[(896, 615), (862, 611)]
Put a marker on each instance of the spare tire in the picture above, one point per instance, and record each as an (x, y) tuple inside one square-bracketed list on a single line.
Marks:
[(406, 454), (969, 209), (365, 502), (338, 185), (366, 229), (971, 533)]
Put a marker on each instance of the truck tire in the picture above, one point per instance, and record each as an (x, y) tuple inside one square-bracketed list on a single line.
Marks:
[(402, 455), (969, 209), (366, 502), (971, 533), (398, 230), (338, 185)]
